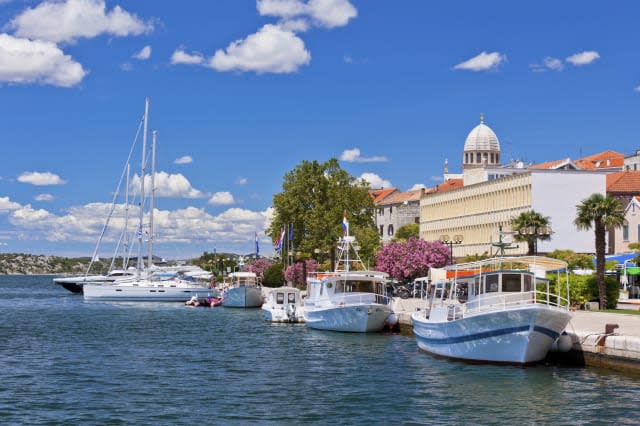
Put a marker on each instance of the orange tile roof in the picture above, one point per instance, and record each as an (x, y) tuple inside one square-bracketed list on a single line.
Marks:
[(401, 197), (450, 184), (551, 164), (601, 160), (380, 194), (627, 181)]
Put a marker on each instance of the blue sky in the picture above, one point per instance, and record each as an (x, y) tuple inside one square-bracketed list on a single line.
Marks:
[(242, 91)]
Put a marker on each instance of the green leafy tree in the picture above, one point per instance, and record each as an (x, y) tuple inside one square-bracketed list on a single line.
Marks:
[(600, 213), (274, 276), (407, 231), (574, 260), (314, 198), (534, 222)]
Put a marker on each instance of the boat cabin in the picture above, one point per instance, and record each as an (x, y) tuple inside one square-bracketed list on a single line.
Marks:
[(243, 279)]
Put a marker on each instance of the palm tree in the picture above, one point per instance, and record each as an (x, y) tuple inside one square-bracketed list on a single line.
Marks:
[(601, 212), (531, 226)]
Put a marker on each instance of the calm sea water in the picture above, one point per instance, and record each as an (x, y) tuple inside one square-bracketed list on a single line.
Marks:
[(63, 360)]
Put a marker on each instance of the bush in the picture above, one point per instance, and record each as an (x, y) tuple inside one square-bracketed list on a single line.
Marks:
[(273, 277), (612, 290)]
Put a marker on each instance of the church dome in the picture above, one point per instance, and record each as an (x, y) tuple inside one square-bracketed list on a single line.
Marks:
[(482, 138)]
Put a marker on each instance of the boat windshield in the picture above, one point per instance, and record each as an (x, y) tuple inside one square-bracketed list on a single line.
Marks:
[(357, 286)]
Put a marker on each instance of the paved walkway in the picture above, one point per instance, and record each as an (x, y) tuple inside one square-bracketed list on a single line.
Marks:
[(594, 322)]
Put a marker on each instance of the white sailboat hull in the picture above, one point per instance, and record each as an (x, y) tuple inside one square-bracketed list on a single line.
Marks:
[(243, 297), (520, 335), (144, 293), (357, 318)]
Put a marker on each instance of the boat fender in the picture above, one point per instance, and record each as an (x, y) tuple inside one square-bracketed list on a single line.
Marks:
[(565, 343)]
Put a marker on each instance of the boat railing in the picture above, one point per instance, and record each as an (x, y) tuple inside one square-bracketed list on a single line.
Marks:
[(343, 299), (504, 301)]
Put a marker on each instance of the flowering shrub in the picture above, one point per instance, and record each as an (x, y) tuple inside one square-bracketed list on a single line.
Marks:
[(411, 259), (295, 274), (259, 266)]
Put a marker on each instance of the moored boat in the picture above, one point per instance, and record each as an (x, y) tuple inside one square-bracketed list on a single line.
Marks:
[(243, 291), (283, 304), (497, 310), (347, 300)]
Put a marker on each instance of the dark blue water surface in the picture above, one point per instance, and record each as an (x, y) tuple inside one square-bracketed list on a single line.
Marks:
[(63, 360)]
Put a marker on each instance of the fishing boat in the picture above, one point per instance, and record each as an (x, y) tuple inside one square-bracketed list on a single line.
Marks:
[(283, 304), (498, 310), (348, 299), (150, 283), (243, 290)]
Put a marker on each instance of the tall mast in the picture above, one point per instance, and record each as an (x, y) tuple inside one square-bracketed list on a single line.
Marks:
[(125, 257), (143, 172), (153, 198)]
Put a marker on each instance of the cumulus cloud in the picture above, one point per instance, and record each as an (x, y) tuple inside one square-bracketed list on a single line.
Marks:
[(67, 21), (583, 58), (222, 199), (417, 186), (7, 205), (183, 160), (271, 49), (24, 61), (548, 63), (40, 178), (482, 62), (324, 13), (375, 181), (43, 197), (182, 57), (353, 156), (168, 186), (241, 181), (143, 54)]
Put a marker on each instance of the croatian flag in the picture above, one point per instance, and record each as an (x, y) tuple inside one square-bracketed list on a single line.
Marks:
[(345, 225), (279, 242)]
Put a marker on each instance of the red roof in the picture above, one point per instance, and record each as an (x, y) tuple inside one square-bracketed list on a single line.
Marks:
[(626, 181), (380, 194), (401, 197), (602, 160)]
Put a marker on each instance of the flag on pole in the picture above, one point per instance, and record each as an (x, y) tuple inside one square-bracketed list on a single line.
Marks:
[(280, 241), (257, 246), (291, 232), (345, 224)]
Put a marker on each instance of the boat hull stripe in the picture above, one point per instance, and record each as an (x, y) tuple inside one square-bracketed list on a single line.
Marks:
[(487, 334)]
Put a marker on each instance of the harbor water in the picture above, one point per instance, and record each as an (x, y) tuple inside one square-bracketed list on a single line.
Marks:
[(67, 361)]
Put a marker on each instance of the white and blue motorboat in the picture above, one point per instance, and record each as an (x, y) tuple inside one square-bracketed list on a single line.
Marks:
[(497, 310), (283, 304)]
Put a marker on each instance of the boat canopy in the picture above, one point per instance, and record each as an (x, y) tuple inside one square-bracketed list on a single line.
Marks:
[(533, 263)]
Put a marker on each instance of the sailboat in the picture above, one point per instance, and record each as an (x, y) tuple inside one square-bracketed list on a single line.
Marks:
[(150, 283)]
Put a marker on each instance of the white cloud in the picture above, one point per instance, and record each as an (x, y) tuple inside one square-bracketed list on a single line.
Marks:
[(183, 160), (553, 63), (417, 186), (325, 13), (40, 179), (482, 62), (375, 181), (169, 186), (222, 199), (26, 61), (353, 156), (126, 66), (182, 57), (241, 181), (583, 58), (143, 54), (43, 197), (637, 89), (66, 21), (7, 205), (271, 49)]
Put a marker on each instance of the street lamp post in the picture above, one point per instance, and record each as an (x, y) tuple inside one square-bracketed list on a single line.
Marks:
[(534, 233), (457, 239)]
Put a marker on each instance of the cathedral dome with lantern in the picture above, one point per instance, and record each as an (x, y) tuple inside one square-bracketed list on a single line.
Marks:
[(482, 148)]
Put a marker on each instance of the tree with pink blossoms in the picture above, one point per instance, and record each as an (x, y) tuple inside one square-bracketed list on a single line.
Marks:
[(259, 266), (411, 259), (295, 273)]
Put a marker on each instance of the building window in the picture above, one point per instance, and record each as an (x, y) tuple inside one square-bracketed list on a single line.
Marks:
[(390, 210), (380, 212), (625, 232), (390, 230), (381, 230), (416, 219), (478, 158)]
